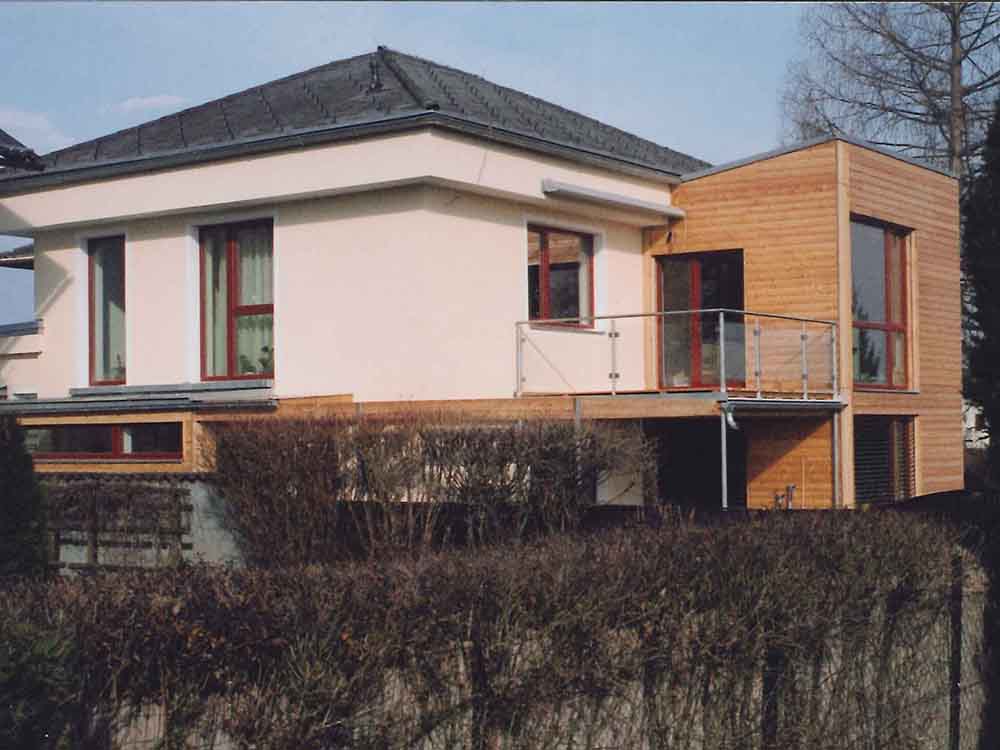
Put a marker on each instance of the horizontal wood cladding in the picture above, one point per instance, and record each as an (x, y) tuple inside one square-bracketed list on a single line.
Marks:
[(784, 451), (925, 202), (782, 212)]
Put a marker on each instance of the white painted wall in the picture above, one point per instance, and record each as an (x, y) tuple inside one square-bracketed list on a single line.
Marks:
[(398, 294)]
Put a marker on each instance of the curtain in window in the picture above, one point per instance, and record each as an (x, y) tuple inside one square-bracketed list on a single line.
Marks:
[(108, 324), (254, 344), (255, 259), (216, 300)]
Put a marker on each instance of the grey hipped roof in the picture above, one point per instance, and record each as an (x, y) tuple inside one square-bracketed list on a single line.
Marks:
[(376, 92)]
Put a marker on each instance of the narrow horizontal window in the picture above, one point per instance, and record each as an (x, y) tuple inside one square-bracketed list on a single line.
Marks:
[(147, 441)]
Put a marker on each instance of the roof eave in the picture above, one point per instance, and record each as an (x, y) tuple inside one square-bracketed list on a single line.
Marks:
[(802, 145), (59, 177)]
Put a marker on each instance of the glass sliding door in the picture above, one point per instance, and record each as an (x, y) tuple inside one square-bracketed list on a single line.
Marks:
[(689, 339), (107, 310)]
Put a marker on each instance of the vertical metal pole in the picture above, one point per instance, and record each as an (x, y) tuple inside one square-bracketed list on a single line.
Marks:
[(725, 468), (805, 363), (614, 357), (722, 353), (836, 459), (519, 385), (756, 355)]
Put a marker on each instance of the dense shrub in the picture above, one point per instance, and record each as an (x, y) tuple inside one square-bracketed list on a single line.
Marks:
[(22, 529), (300, 491), (806, 630)]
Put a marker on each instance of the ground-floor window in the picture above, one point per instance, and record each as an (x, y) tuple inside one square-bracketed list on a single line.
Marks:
[(883, 458), (147, 441)]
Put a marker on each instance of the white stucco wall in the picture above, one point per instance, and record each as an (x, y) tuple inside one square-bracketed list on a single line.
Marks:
[(398, 294)]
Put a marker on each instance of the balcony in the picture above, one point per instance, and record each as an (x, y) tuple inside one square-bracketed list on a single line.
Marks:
[(724, 353)]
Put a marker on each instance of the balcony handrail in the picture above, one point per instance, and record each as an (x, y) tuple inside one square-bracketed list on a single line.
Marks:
[(568, 324), (663, 313)]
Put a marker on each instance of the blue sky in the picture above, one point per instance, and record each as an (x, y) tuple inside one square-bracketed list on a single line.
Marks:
[(700, 78)]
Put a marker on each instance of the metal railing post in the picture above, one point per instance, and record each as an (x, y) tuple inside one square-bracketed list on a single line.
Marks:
[(805, 364), (756, 355), (613, 375), (722, 352)]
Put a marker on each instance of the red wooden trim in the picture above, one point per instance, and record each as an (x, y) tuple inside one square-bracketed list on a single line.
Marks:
[(242, 310), (694, 294), (544, 275), (91, 304)]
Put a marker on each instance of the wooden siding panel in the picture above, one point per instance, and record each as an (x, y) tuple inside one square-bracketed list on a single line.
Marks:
[(926, 202), (784, 451)]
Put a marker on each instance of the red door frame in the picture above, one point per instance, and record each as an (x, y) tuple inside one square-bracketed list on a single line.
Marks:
[(694, 263)]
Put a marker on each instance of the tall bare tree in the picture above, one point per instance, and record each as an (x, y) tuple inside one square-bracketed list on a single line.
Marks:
[(917, 77)]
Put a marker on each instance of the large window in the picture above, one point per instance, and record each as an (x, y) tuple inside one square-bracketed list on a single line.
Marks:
[(878, 301), (148, 441), (237, 300), (560, 275), (107, 310)]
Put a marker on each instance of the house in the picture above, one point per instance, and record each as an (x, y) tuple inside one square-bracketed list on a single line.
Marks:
[(385, 232)]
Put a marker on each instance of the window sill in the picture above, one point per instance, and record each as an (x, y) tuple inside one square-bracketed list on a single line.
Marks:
[(884, 389), (105, 461)]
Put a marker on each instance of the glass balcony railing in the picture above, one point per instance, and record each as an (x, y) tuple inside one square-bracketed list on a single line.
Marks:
[(757, 355)]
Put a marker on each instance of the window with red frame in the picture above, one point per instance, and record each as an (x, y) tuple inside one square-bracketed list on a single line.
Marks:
[(878, 303), (237, 300), (560, 275), (107, 310), (147, 441)]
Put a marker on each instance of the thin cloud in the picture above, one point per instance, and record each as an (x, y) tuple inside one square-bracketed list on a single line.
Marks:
[(151, 103), (34, 129)]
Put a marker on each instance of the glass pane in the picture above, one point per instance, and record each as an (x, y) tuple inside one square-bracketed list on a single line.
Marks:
[(254, 344), (152, 438), (675, 286), (534, 294), (868, 272), (709, 323), (898, 359), (564, 284), (108, 325), (70, 439), (216, 300), (676, 350), (721, 282), (256, 273), (736, 354), (869, 356)]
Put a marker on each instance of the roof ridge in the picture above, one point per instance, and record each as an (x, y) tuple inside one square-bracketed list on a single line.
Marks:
[(418, 94), (544, 102)]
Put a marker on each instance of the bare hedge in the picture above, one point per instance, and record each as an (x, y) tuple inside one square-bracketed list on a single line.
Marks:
[(806, 631), (300, 491)]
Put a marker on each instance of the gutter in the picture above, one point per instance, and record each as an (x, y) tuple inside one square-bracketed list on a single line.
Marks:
[(57, 176)]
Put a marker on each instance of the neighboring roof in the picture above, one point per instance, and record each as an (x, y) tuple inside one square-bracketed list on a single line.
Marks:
[(381, 91), (20, 257), (809, 144), (15, 154)]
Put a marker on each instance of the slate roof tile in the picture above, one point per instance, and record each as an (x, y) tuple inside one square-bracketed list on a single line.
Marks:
[(341, 93)]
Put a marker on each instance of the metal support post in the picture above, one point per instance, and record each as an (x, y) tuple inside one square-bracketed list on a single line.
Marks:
[(756, 355), (613, 375), (725, 469), (722, 353), (805, 363)]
